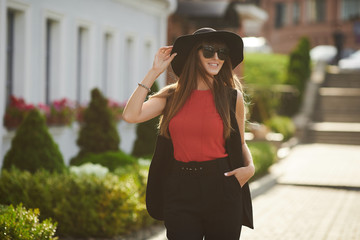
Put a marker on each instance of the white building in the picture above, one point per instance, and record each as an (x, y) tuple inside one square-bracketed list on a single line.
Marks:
[(50, 49)]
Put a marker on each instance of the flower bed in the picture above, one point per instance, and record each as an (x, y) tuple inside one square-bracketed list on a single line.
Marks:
[(16, 112), (60, 112)]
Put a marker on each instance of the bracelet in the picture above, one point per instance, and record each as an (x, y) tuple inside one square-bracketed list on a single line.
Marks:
[(147, 88)]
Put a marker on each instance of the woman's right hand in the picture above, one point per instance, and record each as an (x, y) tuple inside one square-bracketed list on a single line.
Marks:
[(162, 59)]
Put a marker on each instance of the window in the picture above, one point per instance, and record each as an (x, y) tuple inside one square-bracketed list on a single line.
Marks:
[(51, 59), (10, 55), (350, 9), (296, 13), (280, 15), (107, 63), (148, 57), (129, 62), (82, 62), (316, 10), (15, 53)]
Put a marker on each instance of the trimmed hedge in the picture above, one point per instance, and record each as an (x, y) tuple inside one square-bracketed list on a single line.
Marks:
[(263, 74), (265, 69), (146, 133), (298, 73), (84, 205), (19, 223), (264, 155), (33, 147), (98, 132)]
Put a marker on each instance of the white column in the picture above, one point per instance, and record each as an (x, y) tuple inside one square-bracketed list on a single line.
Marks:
[(163, 42), (2, 71)]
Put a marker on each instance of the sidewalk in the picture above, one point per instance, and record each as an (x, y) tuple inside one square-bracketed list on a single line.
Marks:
[(321, 165), (317, 196), (312, 194)]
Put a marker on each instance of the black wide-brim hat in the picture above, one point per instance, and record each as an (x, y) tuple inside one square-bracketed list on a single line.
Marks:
[(184, 44)]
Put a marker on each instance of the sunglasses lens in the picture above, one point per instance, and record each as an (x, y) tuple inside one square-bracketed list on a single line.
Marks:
[(208, 52), (222, 54)]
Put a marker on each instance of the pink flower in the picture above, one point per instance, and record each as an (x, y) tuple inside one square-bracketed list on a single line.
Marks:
[(44, 108)]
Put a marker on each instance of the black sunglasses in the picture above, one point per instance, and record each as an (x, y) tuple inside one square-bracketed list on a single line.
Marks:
[(209, 52)]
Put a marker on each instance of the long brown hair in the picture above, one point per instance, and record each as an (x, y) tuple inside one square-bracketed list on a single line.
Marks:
[(178, 93)]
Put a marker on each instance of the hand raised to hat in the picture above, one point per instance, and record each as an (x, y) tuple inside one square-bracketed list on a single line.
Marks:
[(162, 59)]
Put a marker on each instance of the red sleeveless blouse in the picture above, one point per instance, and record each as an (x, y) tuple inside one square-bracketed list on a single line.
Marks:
[(197, 129)]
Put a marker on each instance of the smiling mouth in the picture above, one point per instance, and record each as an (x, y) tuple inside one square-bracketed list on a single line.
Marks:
[(213, 64)]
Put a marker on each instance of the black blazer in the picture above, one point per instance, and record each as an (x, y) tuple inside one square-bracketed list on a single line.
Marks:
[(164, 156)]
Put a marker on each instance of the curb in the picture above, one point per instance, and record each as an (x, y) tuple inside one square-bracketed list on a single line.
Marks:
[(262, 185), (266, 182)]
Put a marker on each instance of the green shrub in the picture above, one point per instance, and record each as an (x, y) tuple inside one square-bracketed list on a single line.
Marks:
[(19, 223), (33, 148), (298, 72), (283, 125), (144, 145), (263, 104), (101, 207), (264, 155), (111, 160), (146, 133), (84, 205), (98, 133), (265, 69), (264, 74)]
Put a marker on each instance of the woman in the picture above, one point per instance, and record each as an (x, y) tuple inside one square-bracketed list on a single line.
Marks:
[(198, 176)]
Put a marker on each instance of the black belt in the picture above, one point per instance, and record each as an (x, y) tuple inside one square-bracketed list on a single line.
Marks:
[(199, 168)]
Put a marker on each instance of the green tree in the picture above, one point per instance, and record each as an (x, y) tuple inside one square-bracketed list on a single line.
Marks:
[(299, 70), (98, 132), (33, 147), (146, 134)]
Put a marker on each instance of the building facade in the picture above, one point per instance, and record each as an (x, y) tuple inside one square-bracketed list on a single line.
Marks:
[(51, 49), (319, 20)]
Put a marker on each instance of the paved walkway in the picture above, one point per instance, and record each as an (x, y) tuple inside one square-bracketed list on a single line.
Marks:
[(317, 197)]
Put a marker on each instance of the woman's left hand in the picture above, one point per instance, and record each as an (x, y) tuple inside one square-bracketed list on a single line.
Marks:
[(163, 59), (242, 174)]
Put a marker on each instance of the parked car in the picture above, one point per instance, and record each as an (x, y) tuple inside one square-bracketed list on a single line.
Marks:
[(323, 53), (256, 44), (351, 62)]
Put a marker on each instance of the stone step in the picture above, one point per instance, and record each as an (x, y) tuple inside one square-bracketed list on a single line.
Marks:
[(335, 127), (339, 99), (336, 113), (333, 138), (338, 116), (343, 80), (337, 109), (339, 92), (335, 133)]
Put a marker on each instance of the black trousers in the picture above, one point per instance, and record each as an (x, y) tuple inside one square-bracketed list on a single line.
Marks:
[(200, 202)]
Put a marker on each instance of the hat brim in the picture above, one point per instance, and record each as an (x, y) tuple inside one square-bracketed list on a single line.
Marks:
[(184, 44)]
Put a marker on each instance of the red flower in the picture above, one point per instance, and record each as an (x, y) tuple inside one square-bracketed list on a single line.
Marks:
[(62, 112), (16, 112), (44, 108)]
